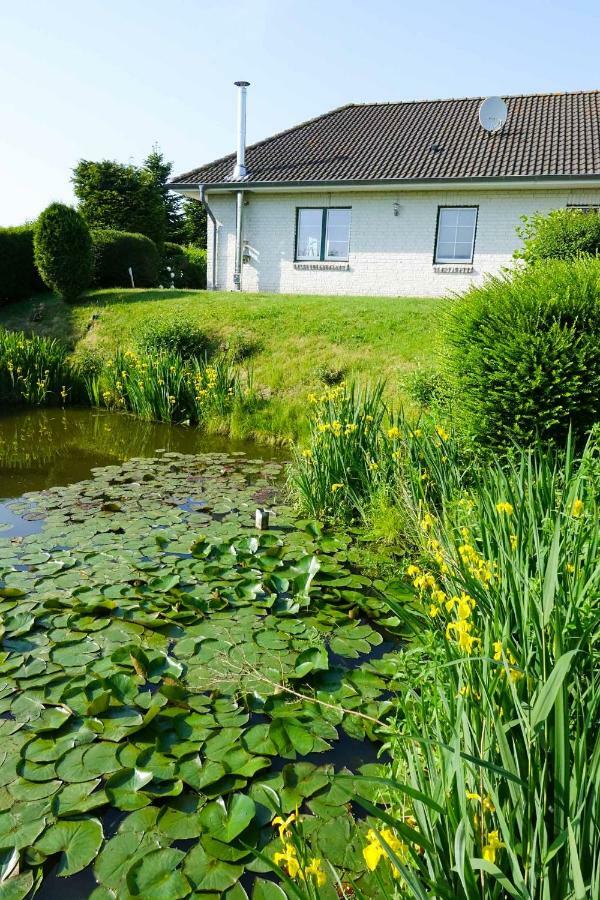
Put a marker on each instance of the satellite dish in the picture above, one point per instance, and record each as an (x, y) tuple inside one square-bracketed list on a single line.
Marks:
[(492, 114)]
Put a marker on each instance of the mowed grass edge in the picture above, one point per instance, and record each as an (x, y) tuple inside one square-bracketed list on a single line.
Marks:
[(296, 338)]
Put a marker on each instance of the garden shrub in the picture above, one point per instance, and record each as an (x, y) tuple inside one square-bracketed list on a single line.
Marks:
[(184, 267), (239, 346), (179, 335), (523, 354), (19, 277), (63, 250), (116, 251), (330, 375), (561, 234), (429, 388)]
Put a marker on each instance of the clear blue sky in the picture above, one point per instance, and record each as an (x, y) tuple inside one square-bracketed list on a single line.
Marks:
[(107, 78)]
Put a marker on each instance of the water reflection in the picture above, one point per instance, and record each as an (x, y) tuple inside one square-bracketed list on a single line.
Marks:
[(49, 447)]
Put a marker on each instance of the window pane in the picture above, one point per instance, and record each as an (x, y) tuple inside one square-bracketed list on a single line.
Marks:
[(446, 233), (456, 234), (338, 234), (308, 245), (449, 217), (462, 251), (466, 217), (445, 251)]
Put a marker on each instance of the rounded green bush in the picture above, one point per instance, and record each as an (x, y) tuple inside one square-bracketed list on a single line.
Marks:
[(179, 335), (523, 354), (115, 252), (561, 234), (63, 250)]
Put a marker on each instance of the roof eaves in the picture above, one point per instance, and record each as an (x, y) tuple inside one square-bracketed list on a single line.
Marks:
[(383, 182)]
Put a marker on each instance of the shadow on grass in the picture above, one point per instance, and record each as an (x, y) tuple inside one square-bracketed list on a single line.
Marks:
[(48, 315)]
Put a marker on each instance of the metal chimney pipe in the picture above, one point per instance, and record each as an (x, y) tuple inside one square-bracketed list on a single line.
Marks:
[(240, 166)]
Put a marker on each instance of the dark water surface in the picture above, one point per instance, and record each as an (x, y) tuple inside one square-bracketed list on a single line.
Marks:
[(45, 448)]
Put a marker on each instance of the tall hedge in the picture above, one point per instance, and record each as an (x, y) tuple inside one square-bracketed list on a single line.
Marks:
[(63, 250), (19, 277), (187, 264), (116, 251), (523, 354)]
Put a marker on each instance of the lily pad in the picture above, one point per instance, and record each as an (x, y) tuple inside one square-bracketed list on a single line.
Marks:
[(77, 842)]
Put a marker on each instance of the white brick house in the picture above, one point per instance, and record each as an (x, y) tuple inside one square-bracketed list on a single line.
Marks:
[(406, 199)]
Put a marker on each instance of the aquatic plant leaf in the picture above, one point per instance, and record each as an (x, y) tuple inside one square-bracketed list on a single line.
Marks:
[(224, 822), (311, 660), (267, 890), (124, 787), (209, 874), (77, 842), (156, 876), (17, 887)]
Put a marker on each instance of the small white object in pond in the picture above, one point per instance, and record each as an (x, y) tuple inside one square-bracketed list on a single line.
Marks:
[(262, 519)]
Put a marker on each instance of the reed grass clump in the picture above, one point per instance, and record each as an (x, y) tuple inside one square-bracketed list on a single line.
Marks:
[(34, 371), (168, 388), (361, 452)]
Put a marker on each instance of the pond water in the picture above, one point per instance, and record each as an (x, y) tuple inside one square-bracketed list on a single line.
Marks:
[(172, 677), (44, 448)]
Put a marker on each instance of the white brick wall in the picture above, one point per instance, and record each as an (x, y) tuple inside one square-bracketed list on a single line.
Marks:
[(389, 255)]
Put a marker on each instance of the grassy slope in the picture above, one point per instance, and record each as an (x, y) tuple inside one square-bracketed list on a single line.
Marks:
[(368, 337)]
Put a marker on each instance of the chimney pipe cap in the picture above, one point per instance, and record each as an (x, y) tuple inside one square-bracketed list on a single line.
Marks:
[(242, 83)]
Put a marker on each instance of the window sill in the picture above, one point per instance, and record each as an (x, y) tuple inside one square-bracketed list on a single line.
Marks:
[(462, 268), (321, 264)]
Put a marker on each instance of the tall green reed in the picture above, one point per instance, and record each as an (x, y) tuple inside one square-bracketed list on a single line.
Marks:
[(502, 738), (164, 386), (34, 371)]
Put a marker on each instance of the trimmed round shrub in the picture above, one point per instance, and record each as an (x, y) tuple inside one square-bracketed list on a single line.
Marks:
[(19, 277), (179, 335), (116, 251), (63, 250), (523, 354), (561, 234), (186, 264)]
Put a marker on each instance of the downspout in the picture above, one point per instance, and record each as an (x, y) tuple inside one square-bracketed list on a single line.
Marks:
[(239, 246), (211, 215)]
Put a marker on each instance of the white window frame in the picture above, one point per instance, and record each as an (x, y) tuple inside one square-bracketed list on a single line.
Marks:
[(445, 260), (323, 255)]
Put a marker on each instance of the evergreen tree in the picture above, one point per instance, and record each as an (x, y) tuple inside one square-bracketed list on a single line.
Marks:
[(124, 197), (194, 222), (160, 170)]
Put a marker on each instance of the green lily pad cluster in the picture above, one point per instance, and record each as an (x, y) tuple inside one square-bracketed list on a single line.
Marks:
[(168, 676)]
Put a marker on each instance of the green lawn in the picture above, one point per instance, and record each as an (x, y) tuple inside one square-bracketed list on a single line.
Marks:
[(296, 336)]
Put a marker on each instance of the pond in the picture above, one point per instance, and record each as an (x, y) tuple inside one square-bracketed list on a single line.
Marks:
[(173, 678)]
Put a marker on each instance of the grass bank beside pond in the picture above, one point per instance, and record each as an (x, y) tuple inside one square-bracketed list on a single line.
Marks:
[(295, 341)]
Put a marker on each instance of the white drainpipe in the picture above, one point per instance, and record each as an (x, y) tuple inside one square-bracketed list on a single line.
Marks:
[(211, 215), (239, 172)]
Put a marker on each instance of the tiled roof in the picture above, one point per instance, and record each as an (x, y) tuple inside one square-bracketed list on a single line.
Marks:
[(544, 135)]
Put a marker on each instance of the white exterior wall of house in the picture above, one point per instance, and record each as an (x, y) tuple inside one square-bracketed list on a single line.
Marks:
[(389, 255)]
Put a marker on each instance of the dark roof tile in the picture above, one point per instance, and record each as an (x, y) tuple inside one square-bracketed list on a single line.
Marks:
[(545, 135)]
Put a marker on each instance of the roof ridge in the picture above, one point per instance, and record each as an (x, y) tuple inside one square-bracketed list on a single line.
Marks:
[(265, 140), (462, 99)]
